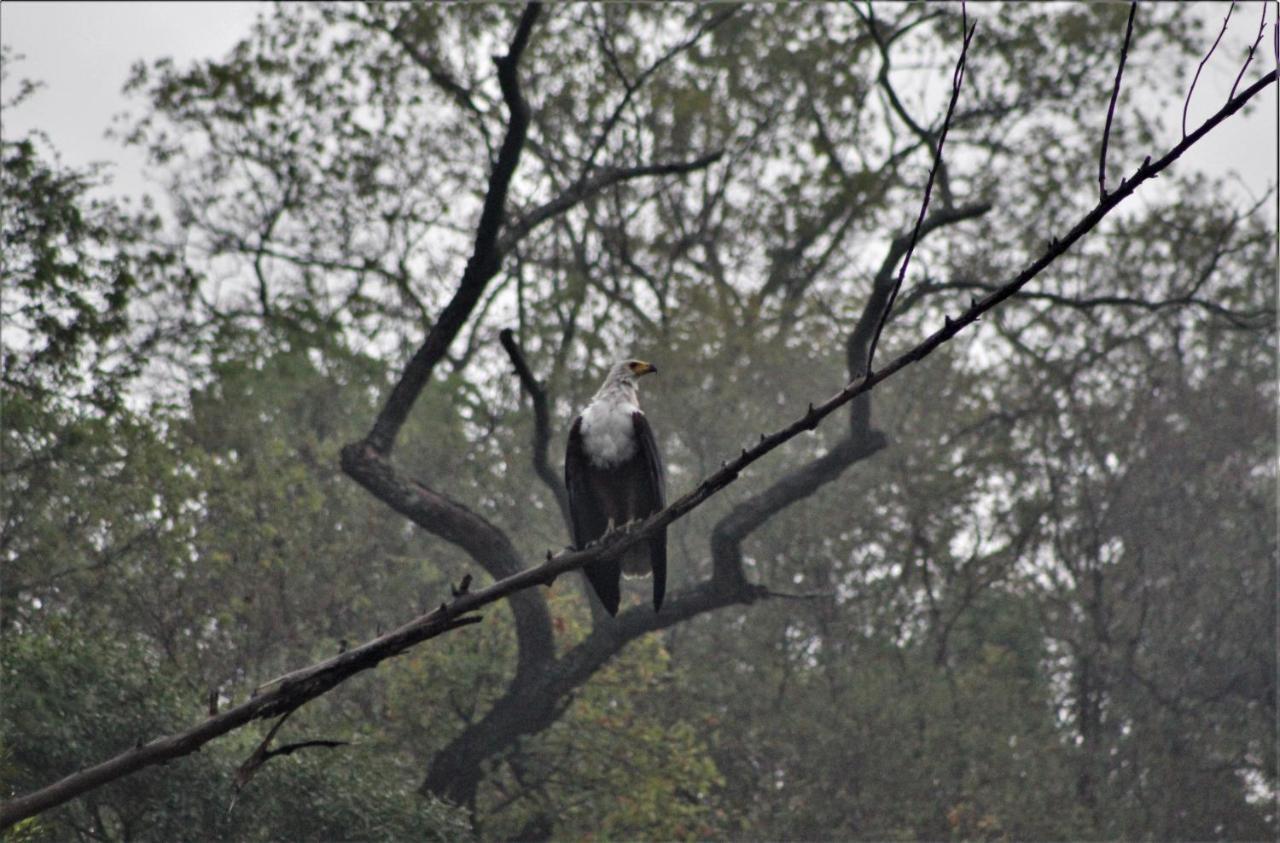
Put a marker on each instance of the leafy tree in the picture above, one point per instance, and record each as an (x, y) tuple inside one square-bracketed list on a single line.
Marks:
[(971, 598), (71, 696)]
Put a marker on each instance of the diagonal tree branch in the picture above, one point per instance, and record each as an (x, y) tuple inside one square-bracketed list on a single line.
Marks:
[(1186, 103), (859, 443), (485, 258), (1262, 28), (957, 79), (1115, 92), (541, 422), (301, 686)]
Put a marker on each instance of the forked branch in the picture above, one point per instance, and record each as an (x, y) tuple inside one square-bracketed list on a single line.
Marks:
[(957, 79)]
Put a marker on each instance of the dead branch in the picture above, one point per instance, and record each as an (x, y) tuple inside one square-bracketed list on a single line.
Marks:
[(1186, 103), (541, 422), (957, 79), (1262, 28), (1111, 109), (262, 754)]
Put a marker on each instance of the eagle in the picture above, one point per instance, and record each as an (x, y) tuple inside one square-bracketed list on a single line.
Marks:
[(614, 475)]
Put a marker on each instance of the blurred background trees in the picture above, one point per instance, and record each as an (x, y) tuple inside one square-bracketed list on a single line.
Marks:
[(1041, 607)]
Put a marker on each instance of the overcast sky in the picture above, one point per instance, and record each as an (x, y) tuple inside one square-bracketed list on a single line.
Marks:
[(83, 51)]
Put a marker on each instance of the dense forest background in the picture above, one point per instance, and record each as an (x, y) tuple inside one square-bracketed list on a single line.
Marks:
[(1025, 590)]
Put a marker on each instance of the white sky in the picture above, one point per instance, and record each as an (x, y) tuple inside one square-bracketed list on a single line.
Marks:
[(82, 51)]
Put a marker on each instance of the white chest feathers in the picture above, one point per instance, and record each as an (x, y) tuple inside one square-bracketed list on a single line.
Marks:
[(608, 431)]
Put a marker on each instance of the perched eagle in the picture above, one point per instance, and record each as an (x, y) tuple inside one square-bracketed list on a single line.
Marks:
[(614, 474)]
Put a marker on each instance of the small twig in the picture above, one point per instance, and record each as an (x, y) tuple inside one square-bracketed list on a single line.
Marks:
[(957, 79), (262, 755), (765, 591), (259, 756), (290, 748), (1262, 27), (1187, 102), (1111, 109), (462, 587)]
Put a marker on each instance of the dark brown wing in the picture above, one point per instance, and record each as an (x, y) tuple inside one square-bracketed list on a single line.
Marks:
[(651, 496), (589, 521)]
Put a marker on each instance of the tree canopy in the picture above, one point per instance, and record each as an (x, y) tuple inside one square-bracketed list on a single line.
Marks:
[(1019, 591)]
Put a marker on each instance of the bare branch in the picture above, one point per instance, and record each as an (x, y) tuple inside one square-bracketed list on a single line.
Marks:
[(586, 188), (261, 755), (541, 422), (1111, 109), (957, 79), (1262, 27), (631, 87), (885, 83), (794, 595), (291, 692), (1187, 102), (1246, 320)]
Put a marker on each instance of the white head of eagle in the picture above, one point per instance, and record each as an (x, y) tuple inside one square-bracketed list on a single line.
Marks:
[(614, 476)]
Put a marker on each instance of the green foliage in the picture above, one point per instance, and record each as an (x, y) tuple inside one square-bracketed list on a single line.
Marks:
[(623, 761), (70, 696), (1036, 611), (73, 266)]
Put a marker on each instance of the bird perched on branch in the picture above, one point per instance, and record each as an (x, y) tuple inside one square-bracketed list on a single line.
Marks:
[(614, 474)]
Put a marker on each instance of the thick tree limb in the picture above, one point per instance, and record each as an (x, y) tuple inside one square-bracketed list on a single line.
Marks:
[(301, 686), (485, 257), (368, 464), (483, 541)]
